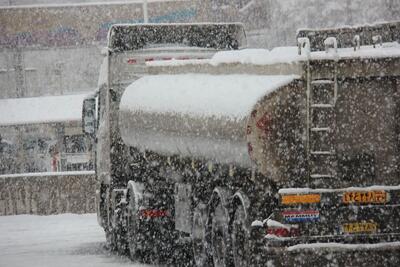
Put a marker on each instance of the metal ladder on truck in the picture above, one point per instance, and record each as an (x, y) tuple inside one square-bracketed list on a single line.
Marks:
[(322, 93)]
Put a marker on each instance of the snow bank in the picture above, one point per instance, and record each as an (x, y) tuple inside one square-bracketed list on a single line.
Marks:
[(48, 109), (203, 95), (63, 240)]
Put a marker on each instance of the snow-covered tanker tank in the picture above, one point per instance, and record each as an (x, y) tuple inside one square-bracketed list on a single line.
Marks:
[(202, 116), (248, 156)]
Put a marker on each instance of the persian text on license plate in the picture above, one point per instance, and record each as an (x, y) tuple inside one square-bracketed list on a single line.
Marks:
[(365, 197), (359, 227)]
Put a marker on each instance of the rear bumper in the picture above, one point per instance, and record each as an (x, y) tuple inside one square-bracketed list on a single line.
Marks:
[(342, 253), (325, 255)]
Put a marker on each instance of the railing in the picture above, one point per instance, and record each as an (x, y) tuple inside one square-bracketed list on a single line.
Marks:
[(47, 193)]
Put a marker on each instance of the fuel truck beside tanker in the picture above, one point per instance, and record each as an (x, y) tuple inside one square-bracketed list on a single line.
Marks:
[(248, 157)]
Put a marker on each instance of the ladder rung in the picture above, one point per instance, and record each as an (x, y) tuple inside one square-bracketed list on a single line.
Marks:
[(322, 105), (321, 129), (314, 176), (323, 152), (322, 82)]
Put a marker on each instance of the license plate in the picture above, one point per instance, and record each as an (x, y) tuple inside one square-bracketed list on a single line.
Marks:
[(359, 227), (366, 197), (295, 216)]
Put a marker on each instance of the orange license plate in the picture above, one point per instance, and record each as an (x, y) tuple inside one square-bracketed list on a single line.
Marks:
[(359, 227), (365, 197)]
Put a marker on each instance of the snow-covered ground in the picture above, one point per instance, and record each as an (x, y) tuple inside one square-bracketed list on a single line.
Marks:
[(58, 240)]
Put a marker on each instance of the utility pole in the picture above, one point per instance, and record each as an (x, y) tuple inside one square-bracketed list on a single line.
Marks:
[(145, 12), (19, 71)]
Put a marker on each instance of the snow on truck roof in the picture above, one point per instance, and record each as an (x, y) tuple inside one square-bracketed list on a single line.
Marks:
[(201, 95), (48, 109), (287, 55)]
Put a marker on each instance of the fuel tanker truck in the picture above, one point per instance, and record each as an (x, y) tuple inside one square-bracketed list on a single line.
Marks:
[(226, 156)]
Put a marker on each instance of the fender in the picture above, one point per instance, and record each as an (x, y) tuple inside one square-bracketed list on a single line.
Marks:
[(223, 194), (239, 198), (135, 189)]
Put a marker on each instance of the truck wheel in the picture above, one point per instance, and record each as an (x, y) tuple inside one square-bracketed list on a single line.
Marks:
[(200, 248), (111, 243), (218, 225), (240, 234), (120, 230)]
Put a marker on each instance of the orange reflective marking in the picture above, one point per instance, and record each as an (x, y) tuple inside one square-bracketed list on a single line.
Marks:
[(367, 197), (360, 227), (301, 199)]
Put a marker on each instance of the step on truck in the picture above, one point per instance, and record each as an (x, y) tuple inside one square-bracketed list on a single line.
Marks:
[(219, 155)]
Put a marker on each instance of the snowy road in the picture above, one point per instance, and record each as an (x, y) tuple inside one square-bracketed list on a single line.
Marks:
[(59, 240)]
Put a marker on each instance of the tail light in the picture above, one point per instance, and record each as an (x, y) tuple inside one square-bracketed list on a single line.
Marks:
[(278, 229), (146, 213), (284, 232)]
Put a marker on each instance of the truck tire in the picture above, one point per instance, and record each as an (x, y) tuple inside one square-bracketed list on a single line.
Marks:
[(121, 228), (218, 229), (240, 229), (200, 247)]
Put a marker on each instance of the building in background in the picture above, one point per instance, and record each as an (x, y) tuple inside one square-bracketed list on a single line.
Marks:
[(51, 50), (272, 23), (43, 134), (55, 49)]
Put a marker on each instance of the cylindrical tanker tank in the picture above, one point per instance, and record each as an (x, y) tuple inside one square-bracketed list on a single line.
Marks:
[(209, 117)]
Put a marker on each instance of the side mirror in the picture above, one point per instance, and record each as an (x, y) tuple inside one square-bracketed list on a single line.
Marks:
[(89, 116)]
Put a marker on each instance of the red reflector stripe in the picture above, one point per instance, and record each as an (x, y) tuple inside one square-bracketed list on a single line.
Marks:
[(153, 213), (264, 124), (132, 61)]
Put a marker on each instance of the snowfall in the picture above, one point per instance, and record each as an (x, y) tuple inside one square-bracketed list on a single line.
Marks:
[(58, 240)]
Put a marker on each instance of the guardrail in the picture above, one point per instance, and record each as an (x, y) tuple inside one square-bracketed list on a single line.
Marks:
[(47, 193)]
